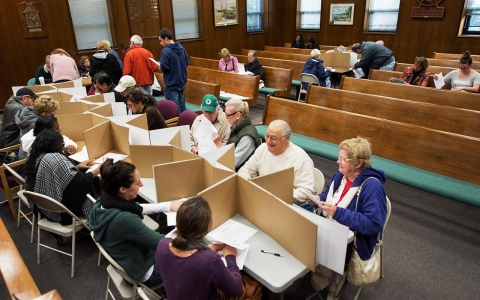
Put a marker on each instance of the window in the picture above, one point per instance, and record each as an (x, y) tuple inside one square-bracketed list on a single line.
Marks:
[(90, 22), (471, 18), (381, 15), (255, 15), (308, 14), (185, 18)]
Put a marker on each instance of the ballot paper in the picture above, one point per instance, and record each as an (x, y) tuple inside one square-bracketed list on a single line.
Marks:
[(80, 156), (241, 70), (231, 233), (439, 82), (358, 72), (204, 136), (158, 64)]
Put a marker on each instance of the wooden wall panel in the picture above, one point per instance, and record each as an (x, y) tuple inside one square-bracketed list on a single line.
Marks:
[(414, 37)]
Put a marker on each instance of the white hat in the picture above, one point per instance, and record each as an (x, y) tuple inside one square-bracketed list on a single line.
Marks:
[(125, 82)]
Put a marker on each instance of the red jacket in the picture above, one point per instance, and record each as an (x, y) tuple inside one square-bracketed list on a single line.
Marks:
[(138, 65)]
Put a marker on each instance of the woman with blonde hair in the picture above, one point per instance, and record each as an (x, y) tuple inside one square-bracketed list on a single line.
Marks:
[(228, 63), (62, 66), (102, 60), (26, 117), (243, 134)]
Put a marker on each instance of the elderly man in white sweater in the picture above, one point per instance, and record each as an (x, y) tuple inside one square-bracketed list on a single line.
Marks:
[(278, 153)]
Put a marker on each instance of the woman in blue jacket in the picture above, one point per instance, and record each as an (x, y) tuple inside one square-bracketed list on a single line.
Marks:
[(363, 212), (315, 67)]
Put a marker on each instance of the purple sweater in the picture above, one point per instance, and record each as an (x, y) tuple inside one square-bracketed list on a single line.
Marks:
[(197, 276)]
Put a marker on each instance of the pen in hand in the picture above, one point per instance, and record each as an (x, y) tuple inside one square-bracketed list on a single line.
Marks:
[(268, 252)]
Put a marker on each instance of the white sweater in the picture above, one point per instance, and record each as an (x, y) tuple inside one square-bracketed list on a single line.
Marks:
[(28, 138), (263, 162)]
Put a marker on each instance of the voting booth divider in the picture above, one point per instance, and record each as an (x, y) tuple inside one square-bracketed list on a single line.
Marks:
[(107, 137), (75, 125), (71, 108)]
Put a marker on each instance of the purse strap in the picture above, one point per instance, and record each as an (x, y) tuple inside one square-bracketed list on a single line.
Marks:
[(379, 240)]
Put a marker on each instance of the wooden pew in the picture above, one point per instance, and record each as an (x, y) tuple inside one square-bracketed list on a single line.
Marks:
[(16, 276), (450, 63), (441, 97), (443, 118), (280, 55), (245, 86), (382, 75), (428, 149), (194, 89), (274, 78), (289, 50), (453, 56), (432, 69)]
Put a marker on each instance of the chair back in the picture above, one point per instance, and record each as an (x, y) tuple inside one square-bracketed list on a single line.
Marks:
[(309, 78), (168, 109), (389, 211), (31, 81), (107, 256), (186, 118), (319, 180), (18, 178)]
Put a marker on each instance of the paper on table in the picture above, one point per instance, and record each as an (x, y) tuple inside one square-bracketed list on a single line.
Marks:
[(358, 72), (171, 218), (109, 97), (204, 136), (311, 197), (232, 233), (158, 64), (242, 251), (439, 82), (80, 156), (115, 156)]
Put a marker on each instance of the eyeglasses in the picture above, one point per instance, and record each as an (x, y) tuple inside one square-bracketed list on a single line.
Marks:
[(229, 115), (341, 159), (466, 68), (272, 137)]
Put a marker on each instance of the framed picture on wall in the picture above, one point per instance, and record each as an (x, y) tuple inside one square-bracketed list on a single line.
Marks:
[(341, 13), (225, 12)]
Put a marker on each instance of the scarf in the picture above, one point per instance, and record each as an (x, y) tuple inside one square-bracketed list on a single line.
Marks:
[(109, 201), (334, 196)]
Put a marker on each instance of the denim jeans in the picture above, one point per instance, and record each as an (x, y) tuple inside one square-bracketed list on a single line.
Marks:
[(176, 94), (154, 278), (147, 88)]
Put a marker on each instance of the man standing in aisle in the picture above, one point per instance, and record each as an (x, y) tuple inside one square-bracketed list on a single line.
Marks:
[(173, 63), (138, 64)]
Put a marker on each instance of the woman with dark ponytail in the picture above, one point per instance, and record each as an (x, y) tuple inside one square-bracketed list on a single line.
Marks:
[(464, 79), (49, 172), (140, 103), (190, 268), (116, 221)]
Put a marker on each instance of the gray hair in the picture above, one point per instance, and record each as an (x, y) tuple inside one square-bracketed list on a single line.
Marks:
[(253, 52), (137, 40), (285, 127), (315, 53), (238, 105), (47, 58)]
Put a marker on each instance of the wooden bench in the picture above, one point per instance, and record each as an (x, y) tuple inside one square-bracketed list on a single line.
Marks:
[(194, 90), (280, 55), (278, 81), (400, 67), (453, 56), (416, 93), (289, 50), (444, 118), (435, 161), (245, 86), (322, 47), (16, 276), (382, 75), (450, 63)]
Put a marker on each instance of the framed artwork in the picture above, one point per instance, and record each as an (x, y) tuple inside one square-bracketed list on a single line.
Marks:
[(225, 12), (342, 13)]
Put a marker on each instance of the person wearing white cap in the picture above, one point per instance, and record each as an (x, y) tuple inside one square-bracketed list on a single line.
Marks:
[(127, 84), (10, 132)]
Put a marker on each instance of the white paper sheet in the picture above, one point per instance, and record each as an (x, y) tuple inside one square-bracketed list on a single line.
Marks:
[(109, 97), (232, 96), (439, 82), (358, 72), (78, 83), (242, 251), (171, 218), (158, 64), (231, 233), (80, 156), (204, 136), (115, 156)]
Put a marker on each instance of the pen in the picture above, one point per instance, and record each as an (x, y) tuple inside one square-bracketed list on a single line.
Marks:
[(268, 252)]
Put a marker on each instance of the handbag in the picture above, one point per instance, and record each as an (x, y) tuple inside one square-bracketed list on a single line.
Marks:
[(363, 272), (251, 290)]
